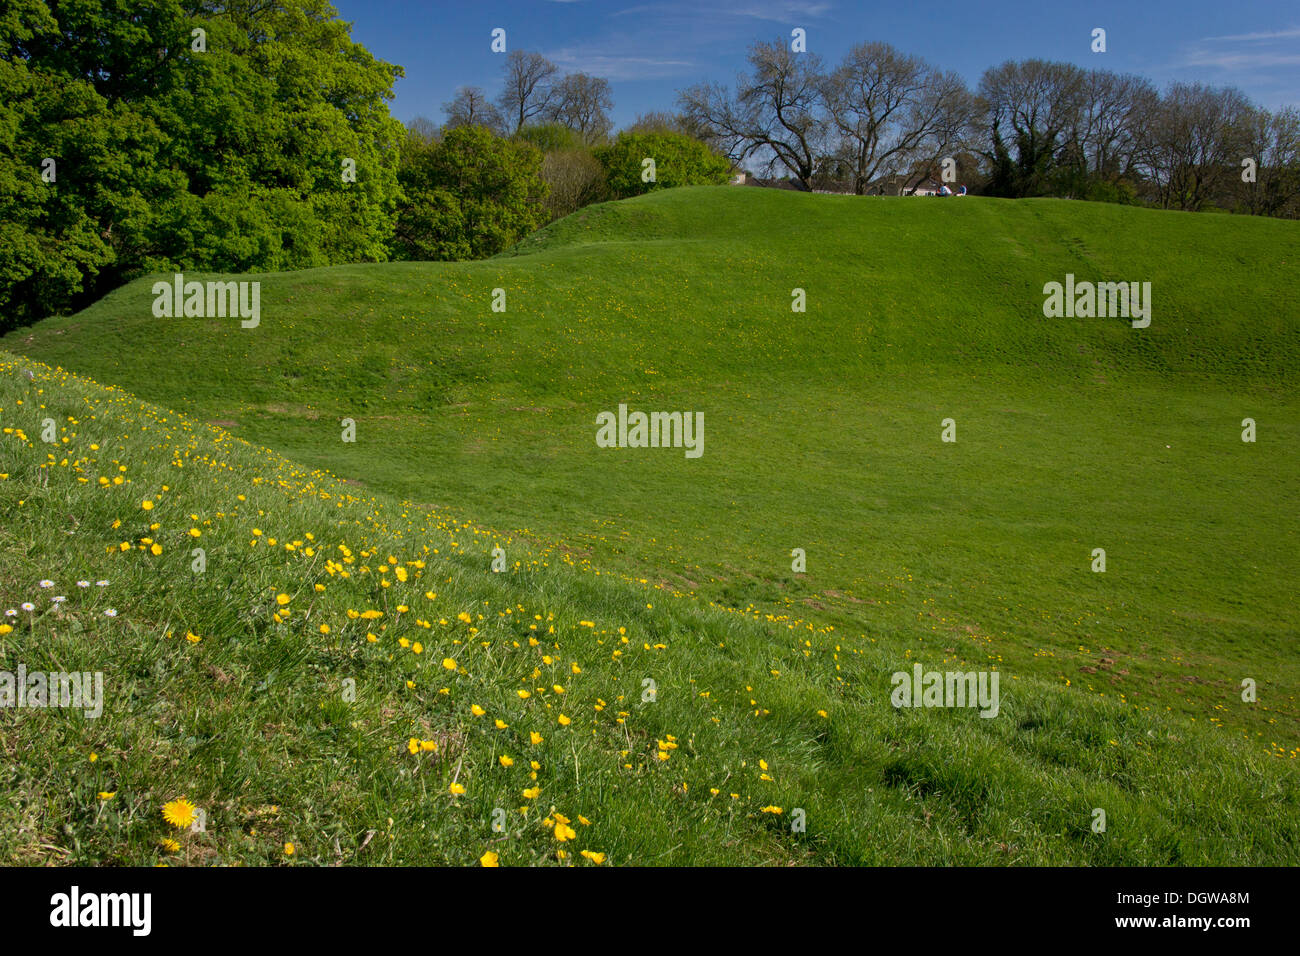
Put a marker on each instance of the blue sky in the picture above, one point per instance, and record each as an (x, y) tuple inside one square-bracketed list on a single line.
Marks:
[(649, 49)]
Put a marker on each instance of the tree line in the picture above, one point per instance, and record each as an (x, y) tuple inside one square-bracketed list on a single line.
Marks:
[(540, 151), (250, 135), (883, 118)]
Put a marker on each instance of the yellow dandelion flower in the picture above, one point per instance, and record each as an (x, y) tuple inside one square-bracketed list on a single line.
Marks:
[(179, 812)]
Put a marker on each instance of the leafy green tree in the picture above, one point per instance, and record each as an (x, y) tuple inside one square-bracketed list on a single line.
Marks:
[(679, 160), (49, 244), (550, 137), (225, 150), (467, 196)]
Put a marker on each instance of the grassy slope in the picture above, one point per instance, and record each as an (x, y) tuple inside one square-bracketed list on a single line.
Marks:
[(822, 432), (249, 720), (822, 429)]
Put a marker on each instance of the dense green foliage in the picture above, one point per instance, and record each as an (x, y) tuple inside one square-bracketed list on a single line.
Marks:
[(467, 195), (679, 160), (550, 137), (223, 150)]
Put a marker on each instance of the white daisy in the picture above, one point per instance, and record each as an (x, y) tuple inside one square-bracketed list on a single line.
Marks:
[(47, 584), (12, 612), (101, 584), (111, 612), (58, 600), (28, 606), (83, 584)]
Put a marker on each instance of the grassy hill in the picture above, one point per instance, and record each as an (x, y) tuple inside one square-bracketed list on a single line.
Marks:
[(822, 432)]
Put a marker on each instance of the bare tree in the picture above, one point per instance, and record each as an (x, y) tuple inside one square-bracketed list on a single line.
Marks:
[(776, 112), (528, 87), (422, 129), (471, 107), (576, 179), (1195, 141), (1272, 141), (1114, 108), (892, 111), (1038, 102), (581, 102)]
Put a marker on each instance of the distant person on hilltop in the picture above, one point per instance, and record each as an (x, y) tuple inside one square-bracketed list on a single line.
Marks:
[(962, 190), (944, 190)]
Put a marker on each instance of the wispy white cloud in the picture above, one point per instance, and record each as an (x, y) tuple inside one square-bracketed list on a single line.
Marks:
[(615, 66), (663, 39), (782, 12), (1267, 35), (776, 11), (1263, 60), (1245, 51), (1241, 60)]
